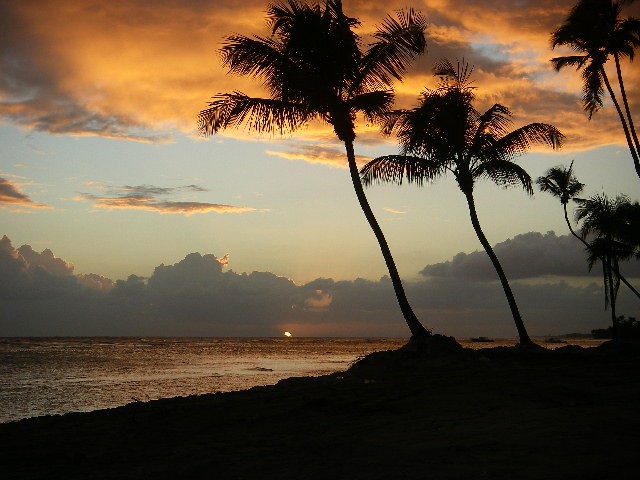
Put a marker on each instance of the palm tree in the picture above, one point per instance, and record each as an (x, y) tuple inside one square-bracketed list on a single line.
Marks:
[(595, 30), (606, 221), (445, 133), (563, 184), (313, 66)]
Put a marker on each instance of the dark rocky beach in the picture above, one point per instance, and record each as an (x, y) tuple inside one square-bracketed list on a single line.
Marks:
[(439, 412)]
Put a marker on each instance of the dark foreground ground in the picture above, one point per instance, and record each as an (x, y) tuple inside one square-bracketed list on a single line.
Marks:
[(498, 413)]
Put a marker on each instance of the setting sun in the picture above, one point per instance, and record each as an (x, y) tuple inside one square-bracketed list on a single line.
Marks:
[(288, 334)]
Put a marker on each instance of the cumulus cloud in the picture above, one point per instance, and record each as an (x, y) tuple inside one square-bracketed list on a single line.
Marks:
[(525, 256), (45, 260), (82, 68), (150, 198), (200, 295), (10, 194)]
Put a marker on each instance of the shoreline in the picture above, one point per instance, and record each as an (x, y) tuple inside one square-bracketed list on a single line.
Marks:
[(492, 413)]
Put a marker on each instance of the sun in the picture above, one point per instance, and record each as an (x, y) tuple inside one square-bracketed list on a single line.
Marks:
[(288, 334)]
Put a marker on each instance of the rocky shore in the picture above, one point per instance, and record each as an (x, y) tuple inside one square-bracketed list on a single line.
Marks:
[(436, 413)]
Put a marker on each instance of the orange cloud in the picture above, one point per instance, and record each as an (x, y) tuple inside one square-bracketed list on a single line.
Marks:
[(10, 194), (331, 156), (126, 70)]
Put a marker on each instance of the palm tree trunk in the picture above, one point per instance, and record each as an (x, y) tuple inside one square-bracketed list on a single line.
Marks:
[(632, 127), (615, 270), (416, 328), (522, 331), (627, 134), (612, 300)]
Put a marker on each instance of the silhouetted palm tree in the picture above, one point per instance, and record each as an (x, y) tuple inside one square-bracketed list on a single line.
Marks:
[(445, 133), (606, 221), (563, 184), (595, 30), (313, 66), (631, 232)]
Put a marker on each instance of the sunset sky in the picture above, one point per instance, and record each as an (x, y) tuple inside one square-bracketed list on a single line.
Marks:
[(103, 175)]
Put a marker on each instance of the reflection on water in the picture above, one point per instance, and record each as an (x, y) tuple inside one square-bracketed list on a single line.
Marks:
[(41, 376)]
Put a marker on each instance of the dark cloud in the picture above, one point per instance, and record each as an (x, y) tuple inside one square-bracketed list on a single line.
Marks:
[(10, 194), (525, 256), (199, 295), (146, 197), (45, 260), (83, 68)]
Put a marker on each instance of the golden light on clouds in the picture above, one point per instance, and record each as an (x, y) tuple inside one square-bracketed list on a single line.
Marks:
[(394, 211), (17, 201), (126, 70), (330, 156), (154, 199)]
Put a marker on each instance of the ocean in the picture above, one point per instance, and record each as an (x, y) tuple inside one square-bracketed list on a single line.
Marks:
[(47, 376)]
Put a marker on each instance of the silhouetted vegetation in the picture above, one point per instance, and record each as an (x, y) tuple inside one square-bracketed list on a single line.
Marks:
[(595, 31), (628, 329), (606, 224), (563, 184), (314, 67), (446, 134)]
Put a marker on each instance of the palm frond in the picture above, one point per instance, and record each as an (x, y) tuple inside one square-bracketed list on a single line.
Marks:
[(522, 139), (504, 174), (492, 124), (395, 168), (453, 77), (577, 61), (398, 41), (374, 105), (257, 57), (259, 114), (593, 88), (626, 38)]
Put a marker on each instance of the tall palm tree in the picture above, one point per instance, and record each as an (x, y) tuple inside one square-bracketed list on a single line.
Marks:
[(606, 221), (562, 183), (445, 133), (595, 30), (313, 66)]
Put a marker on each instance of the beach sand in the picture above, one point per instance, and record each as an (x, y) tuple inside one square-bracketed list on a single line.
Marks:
[(497, 413)]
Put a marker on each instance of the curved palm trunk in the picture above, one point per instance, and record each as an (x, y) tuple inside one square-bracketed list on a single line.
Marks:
[(625, 127), (522, 331), (416, 328), (615, 270), (632, 127), (612, 298)]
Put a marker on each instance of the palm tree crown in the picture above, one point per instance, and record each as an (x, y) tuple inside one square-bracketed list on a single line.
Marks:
[(560, 182), (445, 133), (595, 31), (313, 66), (606, 223)]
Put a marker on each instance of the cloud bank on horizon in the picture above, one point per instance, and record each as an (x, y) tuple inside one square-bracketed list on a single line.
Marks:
[(41, 295), (82, 68)]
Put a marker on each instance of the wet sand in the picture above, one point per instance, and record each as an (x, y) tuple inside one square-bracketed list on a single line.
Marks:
[(497, 413)]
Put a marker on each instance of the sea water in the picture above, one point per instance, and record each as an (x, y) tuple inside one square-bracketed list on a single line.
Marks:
[(45, 376)]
